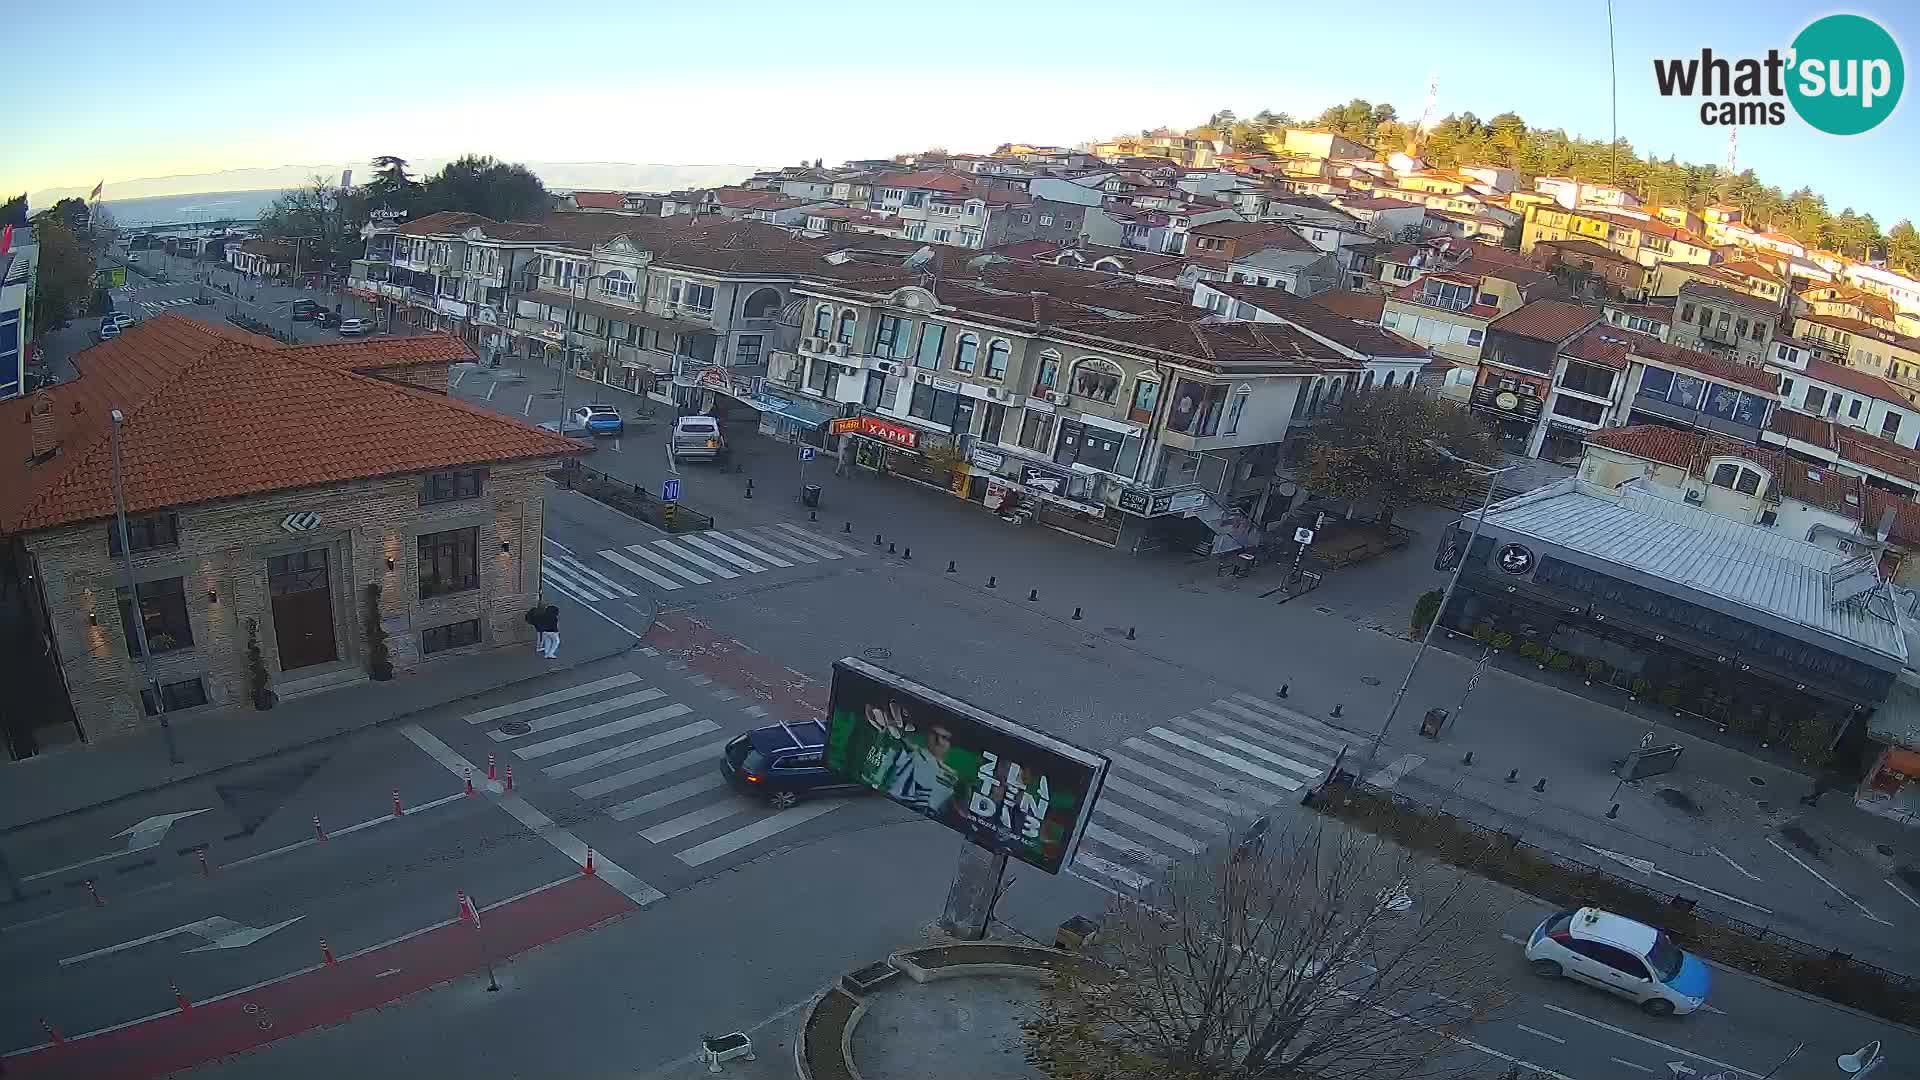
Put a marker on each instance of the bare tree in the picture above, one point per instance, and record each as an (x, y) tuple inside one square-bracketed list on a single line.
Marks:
[(1314, 951)]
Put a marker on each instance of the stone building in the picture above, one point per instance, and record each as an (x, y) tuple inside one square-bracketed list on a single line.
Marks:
[(269, 492)]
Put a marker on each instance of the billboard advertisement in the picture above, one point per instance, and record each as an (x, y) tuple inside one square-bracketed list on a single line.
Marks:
[(1004, 786)]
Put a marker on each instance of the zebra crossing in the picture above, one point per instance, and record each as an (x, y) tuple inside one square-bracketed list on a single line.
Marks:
[(154, 307), (688, 559), (1191, 780), (642, 760)]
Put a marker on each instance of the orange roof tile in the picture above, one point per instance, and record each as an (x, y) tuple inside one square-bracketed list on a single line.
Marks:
[(1546, 320), (1860, 382), (213, 413), (1654, 442)]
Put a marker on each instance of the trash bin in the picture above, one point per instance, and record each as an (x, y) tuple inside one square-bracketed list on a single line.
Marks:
[(810, 495), (1431, 723)]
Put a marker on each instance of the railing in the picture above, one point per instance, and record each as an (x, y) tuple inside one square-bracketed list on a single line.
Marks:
[(630, 499)]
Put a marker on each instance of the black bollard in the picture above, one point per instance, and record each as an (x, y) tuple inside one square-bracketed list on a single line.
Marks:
[(1336, 709), (847, 528), (1513, 776), (1542, 785), (907, 554), (1033, 594), (890, 549), (877, 540), (1283, 689), (990, 582), (1614, 812), (1468, 760), (1076, 614), (813, 515), (1129, 633), (950, 567), (749, 491)]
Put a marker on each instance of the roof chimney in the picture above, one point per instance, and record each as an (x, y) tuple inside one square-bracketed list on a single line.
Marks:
[(46, 438)]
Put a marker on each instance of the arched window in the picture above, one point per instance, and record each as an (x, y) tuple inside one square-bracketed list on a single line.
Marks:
[(845, 336), (822, 321), (1110, 264), (1367, 384), (964, 353), (617, 285), (997, 358), (1096, 379), (1047, 376), (1313, 402), (763, 304), (1389, 383)]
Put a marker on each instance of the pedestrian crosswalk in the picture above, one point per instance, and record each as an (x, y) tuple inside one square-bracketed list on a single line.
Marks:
[(1189, 781), (689, 559), (647, 762), (154, 307)]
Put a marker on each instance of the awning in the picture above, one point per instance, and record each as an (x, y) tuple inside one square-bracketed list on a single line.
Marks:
[(1897, 721), (614, 313), (798, 412)]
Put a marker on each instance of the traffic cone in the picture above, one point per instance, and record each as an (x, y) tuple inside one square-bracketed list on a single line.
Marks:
[(53, 1033), (465, 910), (179, 998), (509, 778), (492, 772), (588, 869), (398, 811), (317, 830), (326, 952), (469, 781)]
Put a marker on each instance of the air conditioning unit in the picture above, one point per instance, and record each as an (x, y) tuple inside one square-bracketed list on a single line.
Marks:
[(841, 348), (814, 344), (1694, 497), (922, 377), (996, 394), (1056, 397), (887, 367)]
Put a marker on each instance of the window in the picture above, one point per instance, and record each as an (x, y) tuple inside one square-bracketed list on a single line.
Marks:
[(1447, 294), (1816, 399), (1786, 389), (1740, 328), (1853, 409), (1759, 330), (1046, 220), (1096, 379), (449, 562), (933, 405), (1146, 395), (1587, 379), (1730, 474), (174, 696), (1785, 354), (451, 636), (822, 321), (1049, 372), (997, 359), (163, 616), (932, 337), (451, 486), (1390, 319), (1235, 407), (1402, 272), (996, 419), (617, 284), (696, 297), (1036, 432), (146, 533), (746, 350), (964, 353), (847, 320), (943, 236), (1686, 313), (1026, 219), (1489, 299), (1475, 337), (1587, 412), (1890, 425)]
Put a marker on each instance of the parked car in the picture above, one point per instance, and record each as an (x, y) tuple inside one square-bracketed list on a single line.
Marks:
[(783, 763), (572, 429), (305, 310), (122, 320), (326, 319), (600, 419), (108, 330), (1620, 955), (354, 327), (698, 438)]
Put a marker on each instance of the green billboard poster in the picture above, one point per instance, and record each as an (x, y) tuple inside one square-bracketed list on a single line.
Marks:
[(1006, 787)]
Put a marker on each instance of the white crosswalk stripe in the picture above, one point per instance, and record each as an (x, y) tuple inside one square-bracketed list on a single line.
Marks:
[(717, 551), (779, 545), (558, 576), (669, 565), (748, 549), (637, 570), (1191, 780), (644, 760), (694, 557), (822, 541), (587, 573), (672, 564)]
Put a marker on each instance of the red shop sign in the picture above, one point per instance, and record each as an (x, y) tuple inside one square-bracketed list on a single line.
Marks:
[(892, 434)]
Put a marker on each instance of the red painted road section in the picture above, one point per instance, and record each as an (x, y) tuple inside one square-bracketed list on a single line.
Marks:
[(708, 652), (329, 995)]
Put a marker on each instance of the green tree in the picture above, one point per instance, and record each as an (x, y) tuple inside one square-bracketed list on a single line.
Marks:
[(65, 274), (321, 216), (480, 185), (1903, 247), (14, 211), (1378, 447)]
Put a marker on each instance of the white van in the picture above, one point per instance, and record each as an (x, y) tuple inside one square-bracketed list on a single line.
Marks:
[(698, 438)]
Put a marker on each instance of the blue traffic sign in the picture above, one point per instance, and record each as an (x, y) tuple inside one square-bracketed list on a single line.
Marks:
[(670, 489), (806, 453)]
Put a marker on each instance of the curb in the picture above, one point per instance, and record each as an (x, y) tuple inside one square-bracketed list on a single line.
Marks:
[(407, 714)]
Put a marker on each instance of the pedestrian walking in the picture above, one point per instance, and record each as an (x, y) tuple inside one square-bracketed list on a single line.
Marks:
[(843, 456), (545, 620)]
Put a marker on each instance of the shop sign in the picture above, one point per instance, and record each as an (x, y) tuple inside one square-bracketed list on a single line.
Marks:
[(1516, 559), (1134, 501), (1050, 483), (1181, 502), (988, 459), (486, 316), (714, 378), (1006, 787), (892, 434), (845, 425), (948, 385)]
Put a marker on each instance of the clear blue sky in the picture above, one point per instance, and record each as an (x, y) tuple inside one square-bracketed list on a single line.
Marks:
[(155, 89)]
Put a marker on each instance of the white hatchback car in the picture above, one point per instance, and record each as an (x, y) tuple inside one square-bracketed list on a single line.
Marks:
[(1616, 953)]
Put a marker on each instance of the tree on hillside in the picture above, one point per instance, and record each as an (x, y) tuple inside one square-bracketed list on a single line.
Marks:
[(480, 185), (324, 217), (14, 210), (1310, 952), (65, 273), (1903, 247), (1378, 447)]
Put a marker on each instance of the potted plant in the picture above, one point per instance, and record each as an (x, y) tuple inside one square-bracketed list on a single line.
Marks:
[(1501, 641), (1483, 633), (379, 660), (1641, 687), (1560, 660), (257, 679), (1425, 610), (1530, 649), (1596, 669)]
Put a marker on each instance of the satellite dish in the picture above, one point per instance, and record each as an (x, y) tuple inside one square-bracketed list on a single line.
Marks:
[(919, 259)]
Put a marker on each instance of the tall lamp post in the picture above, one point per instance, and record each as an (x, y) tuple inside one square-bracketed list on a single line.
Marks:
[(1493, 475), (138, 620)]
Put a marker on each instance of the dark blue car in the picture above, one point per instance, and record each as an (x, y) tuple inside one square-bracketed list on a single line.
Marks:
[(782, 763)]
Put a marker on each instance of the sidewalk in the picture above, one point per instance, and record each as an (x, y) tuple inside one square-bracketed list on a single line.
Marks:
[(71, 779)]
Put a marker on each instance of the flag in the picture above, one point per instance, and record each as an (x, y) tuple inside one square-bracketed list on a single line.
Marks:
[(96, 191)]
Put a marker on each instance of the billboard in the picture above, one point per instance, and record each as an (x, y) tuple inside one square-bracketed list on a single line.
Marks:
[(1006, 787)]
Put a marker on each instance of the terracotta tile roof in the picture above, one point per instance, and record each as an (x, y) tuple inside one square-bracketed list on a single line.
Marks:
[(599, 200), (1586, 249), (443, 223), (1364, 338), (1818, 485), (1905, 529), (1653, 442), (1872, 451), (1248, 233), (1546, 320), (270, 249), (1860, 328), (1662, 313), (1027, 249), (1135, 261), (1752, 269), (743, 199), (1860, 382), (1801, 427), (376, 354), (1353, 304), (1700, 290), (276, 423), (1647, 347), (1603, 344)]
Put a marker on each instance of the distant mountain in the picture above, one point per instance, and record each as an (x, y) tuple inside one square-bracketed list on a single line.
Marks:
[(611, 175)]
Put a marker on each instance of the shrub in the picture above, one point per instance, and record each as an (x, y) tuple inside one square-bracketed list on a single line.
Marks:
[(1530, 649), (1501, 641), (1483, 633), (1425, 610), (1561, 661), (1596, 669), (1641, 686), (1809, 743)]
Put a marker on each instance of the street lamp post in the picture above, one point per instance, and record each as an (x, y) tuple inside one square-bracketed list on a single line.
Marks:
[(1493, 475), (138, 619)]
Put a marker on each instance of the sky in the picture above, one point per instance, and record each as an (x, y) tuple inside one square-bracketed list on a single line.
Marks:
[(198, 86)]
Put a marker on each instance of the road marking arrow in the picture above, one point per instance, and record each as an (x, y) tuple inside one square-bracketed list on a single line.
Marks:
[(219, 932), (1645, 866), (141, 836)]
